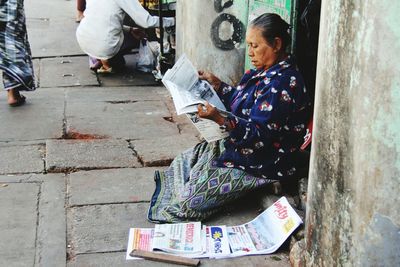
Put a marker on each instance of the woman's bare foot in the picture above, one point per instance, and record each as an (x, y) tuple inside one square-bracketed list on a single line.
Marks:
[(79, 16), (15, 99), (105, 64), (105, 68)]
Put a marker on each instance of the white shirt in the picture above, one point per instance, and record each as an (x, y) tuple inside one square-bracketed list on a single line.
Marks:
[(100, 33)]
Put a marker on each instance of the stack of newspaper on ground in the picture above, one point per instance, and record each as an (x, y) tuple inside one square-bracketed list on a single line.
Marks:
[(263, 235)]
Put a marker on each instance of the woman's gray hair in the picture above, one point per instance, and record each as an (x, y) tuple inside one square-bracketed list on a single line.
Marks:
[(272, 26)]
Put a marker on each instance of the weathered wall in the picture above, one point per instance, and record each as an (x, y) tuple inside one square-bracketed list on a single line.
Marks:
[(213, 36), (353, 217)]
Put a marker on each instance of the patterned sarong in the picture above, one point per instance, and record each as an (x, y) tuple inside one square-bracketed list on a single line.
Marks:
[(193, 188), (15, 53)]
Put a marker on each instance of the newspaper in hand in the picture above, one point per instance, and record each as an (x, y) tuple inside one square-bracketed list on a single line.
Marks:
[(187, 91)]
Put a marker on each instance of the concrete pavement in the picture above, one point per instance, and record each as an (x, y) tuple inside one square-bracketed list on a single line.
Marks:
[(77, 161)]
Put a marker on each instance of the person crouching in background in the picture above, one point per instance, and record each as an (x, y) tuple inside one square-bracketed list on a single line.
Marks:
[(102, 35)]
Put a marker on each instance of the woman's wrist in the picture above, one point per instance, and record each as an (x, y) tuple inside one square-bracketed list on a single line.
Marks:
[(217, 85), (220, 120)]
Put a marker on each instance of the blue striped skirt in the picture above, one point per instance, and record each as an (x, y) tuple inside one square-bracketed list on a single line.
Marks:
[(15, 52)]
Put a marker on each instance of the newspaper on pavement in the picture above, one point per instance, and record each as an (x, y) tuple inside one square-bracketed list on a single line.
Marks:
[(263, 235)]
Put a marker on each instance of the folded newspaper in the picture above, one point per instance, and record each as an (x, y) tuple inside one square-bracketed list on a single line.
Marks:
[(263, 235), (188, 91)]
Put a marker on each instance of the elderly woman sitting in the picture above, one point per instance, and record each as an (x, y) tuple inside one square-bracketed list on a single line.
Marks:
[(269, 111)]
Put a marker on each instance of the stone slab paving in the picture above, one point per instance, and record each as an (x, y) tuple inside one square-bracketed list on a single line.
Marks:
[(39, 119), (58, 8), (277, 260), (118, 94), (184, 124), (64, 155), (36, 70), (162, 151), (110, 186), (21, 159), (33, 223), (103, 228), (117, 259), (118, 113), (18, 209), (22, 143), (66, 71), (148, 109), (52, 37), (13, 178), (51, 233)]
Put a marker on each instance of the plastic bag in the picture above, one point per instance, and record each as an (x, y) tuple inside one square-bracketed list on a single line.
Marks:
[(146, 61)]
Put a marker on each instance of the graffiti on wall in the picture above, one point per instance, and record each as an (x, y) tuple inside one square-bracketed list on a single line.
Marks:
[(219, 7), (238, 28)]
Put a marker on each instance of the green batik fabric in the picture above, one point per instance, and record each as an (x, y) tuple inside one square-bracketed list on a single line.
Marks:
[(193, 187)]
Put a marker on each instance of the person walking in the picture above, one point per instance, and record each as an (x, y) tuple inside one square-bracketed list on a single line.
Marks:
[(15, 52)]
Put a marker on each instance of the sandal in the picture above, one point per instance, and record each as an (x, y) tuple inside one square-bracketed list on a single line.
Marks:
[(21, 100), (104, 70)]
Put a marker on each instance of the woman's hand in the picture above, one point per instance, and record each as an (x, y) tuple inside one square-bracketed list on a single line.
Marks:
[(210, 112), (211, 78)]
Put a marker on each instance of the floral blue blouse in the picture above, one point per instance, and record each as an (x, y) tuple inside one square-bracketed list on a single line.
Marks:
[(270, 110)]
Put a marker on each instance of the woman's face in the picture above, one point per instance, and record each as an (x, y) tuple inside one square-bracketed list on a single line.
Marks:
[(261, 54)]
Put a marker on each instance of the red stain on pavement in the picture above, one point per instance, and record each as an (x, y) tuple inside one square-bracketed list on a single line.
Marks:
[(81, 136)]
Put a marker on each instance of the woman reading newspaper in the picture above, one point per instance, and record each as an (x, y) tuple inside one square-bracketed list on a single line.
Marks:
[(269, 111)]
